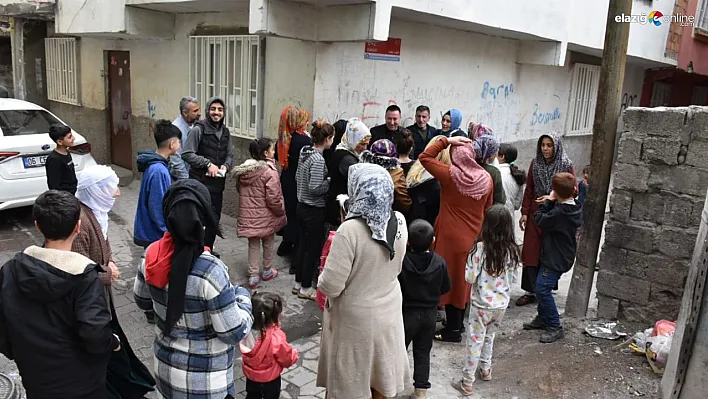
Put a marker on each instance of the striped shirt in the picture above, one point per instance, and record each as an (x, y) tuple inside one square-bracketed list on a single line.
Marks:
[(311, 177)]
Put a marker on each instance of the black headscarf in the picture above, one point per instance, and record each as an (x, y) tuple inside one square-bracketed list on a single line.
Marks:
[(340, 127), (187, 210)]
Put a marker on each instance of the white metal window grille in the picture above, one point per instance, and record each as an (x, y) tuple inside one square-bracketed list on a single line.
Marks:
[(702, 20), (700, 95), (583, 97), (228, 67), (660, 94), (62, 59)]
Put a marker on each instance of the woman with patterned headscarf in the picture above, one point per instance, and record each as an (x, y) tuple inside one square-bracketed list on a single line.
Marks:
[(384, 153), (466, 191), (486, 148), (97, 190), (550, 159), (347, 153), (362, 351), (292, 136)]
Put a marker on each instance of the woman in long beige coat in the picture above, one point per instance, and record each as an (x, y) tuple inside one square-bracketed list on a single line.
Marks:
[(363, 353)]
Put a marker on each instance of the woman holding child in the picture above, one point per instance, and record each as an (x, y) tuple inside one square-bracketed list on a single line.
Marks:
[(363, 352), (466, 191), (550, 159)]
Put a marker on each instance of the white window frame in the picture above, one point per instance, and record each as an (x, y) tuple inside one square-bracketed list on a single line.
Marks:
[(62, 59), (582, 100), (701, 24), (229, 66), (660, 94)]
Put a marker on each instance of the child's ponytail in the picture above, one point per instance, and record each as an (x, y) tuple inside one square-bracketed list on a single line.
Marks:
[(509, 152), (258, 147)]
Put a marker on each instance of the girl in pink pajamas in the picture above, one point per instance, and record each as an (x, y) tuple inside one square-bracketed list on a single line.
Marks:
[(491, 270)]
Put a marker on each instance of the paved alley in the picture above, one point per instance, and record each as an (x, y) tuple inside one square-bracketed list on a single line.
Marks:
[(523, 368)]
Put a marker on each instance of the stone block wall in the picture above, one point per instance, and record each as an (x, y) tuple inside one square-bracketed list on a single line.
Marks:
[(660, 183)]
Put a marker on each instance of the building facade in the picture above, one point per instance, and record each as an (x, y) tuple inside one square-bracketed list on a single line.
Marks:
[(523, 68)]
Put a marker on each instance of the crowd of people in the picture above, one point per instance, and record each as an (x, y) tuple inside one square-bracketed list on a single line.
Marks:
[(420, 219)]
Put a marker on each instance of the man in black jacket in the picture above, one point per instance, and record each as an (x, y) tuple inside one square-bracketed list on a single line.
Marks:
[(388, 129), (422, 132), (54, 322), (208, 152), (558, 217)]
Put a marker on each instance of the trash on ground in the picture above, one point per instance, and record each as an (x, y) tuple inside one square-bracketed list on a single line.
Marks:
[(604, 331), (598, 350), (655, 343)]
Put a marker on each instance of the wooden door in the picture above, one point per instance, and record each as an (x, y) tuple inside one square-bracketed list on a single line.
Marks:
[(119, 108)]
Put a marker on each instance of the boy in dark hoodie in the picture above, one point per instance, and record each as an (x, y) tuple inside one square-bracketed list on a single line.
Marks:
[(424, 278), (54, 322), (149, 223), (559, 217)]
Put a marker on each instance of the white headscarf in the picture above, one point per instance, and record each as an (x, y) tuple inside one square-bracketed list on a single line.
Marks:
[(96, 189)]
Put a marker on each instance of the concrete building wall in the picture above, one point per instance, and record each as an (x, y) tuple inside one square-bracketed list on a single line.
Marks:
[(660, 183), (446, 68)]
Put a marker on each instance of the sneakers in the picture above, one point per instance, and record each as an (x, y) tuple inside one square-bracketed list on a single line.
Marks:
[(297, 288), (552, 334), (536, 324), (269, 274), (253, 282), (150, 316), (420, 394)]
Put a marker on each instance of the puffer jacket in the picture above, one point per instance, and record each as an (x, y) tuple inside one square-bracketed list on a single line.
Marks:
[(261, 210)]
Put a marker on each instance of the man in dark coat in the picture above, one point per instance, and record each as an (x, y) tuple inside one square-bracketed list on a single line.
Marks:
[(388, 129), (422, 132)]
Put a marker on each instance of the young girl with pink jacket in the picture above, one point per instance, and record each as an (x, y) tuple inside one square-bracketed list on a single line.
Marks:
[(261, 211)]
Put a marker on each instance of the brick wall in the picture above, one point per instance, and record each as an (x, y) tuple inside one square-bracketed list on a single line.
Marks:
[(673, 41), (660, 183)]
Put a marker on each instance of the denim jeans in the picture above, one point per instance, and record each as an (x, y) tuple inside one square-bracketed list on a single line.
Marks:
[(546, 280)]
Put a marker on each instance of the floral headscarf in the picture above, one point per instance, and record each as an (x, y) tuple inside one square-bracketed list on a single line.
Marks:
[(485, 147), (96, 188), (292, 120), (371, 197), (543, 171), (355, 132), (383, 152), (476, 130), (470, 179)]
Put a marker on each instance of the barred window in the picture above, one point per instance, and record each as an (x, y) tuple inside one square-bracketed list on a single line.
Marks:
[(583, 98), (62, 69)]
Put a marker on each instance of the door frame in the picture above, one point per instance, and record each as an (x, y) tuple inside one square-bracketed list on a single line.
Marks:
[(107, 91)]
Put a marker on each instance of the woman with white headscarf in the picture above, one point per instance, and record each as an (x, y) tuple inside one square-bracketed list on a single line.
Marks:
[(97, 191), (347, 153), (362, 351)]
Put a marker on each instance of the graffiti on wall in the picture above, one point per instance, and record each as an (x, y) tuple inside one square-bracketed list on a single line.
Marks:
[(539, 117), (628, 100), (500, 108), (152, 116)]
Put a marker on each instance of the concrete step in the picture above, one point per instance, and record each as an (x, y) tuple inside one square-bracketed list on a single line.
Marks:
[(125, 176)]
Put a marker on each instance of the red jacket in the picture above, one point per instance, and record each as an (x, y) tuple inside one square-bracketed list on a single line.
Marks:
[(264, 360)]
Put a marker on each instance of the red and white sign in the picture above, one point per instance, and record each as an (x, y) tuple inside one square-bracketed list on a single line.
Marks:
[(389, 50)]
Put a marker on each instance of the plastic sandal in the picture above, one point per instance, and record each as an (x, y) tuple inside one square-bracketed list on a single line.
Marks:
[(457, 384)]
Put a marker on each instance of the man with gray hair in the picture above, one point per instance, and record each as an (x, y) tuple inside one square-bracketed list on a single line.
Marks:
[(189, 113)]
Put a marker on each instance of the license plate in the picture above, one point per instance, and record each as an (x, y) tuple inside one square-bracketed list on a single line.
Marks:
[(34, 162)]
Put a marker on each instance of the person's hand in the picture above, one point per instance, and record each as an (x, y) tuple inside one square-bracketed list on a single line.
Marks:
[(118, 347), (115, 273), (549, 197), (522, 222), (458, 140), (213, 170)]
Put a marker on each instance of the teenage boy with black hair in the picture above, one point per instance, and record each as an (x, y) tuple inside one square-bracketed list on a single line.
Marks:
[(559, 217), (149, 223), (60, 165), (54, 322), (424, 279)]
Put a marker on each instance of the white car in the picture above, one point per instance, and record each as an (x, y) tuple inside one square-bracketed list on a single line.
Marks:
[(24, 146)]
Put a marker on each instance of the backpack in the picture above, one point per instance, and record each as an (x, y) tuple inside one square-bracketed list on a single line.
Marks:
[(321, 299)]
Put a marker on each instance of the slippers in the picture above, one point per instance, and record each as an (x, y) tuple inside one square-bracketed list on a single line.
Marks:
[(457, 384), (487, 377)]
